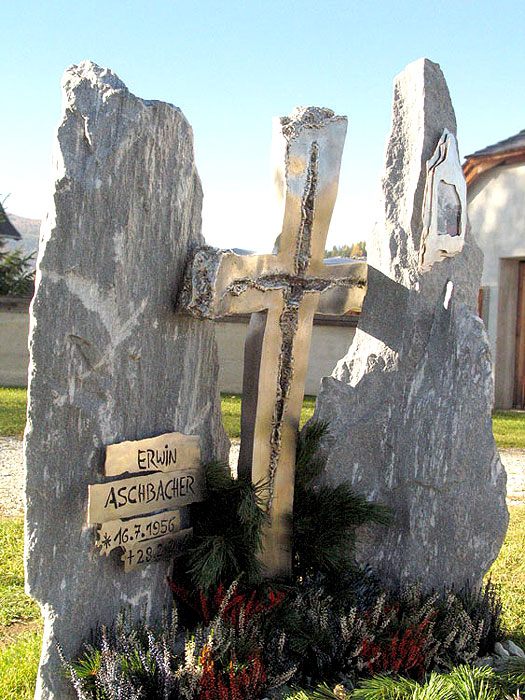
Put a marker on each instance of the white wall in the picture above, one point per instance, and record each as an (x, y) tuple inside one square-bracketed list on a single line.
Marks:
[(329, 344), (496, 209), (14, 355)]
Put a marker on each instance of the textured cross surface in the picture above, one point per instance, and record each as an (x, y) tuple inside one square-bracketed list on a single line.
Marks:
[(283, 291)]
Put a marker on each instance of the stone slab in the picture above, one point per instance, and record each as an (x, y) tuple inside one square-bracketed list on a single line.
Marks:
[(409, 406), (110, 360)]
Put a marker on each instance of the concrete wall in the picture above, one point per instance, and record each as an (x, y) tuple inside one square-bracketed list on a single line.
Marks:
[(14, 328), (330, 341), (496, 209)]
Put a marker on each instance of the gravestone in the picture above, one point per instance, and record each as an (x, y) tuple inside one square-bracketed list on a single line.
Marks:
[(112, 365), (409, 407), (283, 290)]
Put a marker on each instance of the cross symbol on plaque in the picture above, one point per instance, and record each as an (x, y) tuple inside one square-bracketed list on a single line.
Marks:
[(282, 291)]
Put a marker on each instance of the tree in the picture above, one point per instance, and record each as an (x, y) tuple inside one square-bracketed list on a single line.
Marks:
[(17, 277), (357, 250)]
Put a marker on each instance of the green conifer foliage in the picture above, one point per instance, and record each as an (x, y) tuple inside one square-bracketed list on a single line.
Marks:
[(227, 530), (325, 518), (16, 276), (228, 524)]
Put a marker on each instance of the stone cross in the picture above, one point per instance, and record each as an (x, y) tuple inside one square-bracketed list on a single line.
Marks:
[(283, 291)]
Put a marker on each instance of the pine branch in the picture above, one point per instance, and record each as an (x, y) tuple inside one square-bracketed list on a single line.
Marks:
[(309, 465), (325, 518)]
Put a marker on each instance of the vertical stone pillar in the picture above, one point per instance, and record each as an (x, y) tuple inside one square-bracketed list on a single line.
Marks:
[(409, 407), (110, 361)]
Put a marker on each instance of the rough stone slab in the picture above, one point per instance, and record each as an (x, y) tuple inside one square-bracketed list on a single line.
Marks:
[(110, 361), (409, 406)]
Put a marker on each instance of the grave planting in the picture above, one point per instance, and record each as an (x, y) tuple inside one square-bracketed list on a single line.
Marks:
[(354, 548)]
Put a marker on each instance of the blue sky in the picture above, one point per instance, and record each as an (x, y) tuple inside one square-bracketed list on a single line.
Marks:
[(231, 66)]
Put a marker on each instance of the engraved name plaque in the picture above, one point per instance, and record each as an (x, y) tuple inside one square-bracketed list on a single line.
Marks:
[(162, 453), (140, 514), (119, 533), (140, 495)]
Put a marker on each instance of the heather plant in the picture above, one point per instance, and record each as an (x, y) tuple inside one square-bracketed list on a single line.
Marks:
[(223, 659), (326, 638), (313, 634), (406, 634), (485, 609), (252, 639), (459, 634), (219, 660), (128, 661), (249, 653), (454, 628)]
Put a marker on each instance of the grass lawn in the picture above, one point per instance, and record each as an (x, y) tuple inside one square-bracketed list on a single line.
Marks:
[(20, 623), (509, 572), (15, 606), (231, 413), (19, 666), (12, 412), (509, 427)]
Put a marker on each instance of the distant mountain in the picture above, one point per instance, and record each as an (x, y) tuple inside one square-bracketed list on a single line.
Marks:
[(29, 229)]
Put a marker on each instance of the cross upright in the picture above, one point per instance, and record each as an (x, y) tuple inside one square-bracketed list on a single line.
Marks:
[(282, 291)]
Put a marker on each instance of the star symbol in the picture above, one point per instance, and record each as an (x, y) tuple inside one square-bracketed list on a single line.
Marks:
[(106, 541)]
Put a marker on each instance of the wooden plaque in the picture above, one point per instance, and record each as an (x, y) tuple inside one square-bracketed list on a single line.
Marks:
[(140, 554), (143, 495), (162, 453), (122, 533)]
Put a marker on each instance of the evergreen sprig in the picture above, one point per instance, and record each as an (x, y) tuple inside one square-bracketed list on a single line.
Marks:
[(227, 530), (228, 524), (325, 518)]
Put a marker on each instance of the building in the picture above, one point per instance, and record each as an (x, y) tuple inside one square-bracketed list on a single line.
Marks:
[(7, 230), (496, 207)]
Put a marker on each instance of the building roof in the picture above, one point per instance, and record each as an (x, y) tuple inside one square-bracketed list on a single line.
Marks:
[(506, 152), (507, 146), (7, 230)]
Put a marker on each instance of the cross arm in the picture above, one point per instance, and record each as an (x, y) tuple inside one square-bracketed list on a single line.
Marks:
[(221, 282), (345, 290)]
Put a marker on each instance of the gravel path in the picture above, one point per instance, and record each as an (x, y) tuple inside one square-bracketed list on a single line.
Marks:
[(11, 475), (514, 461)]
